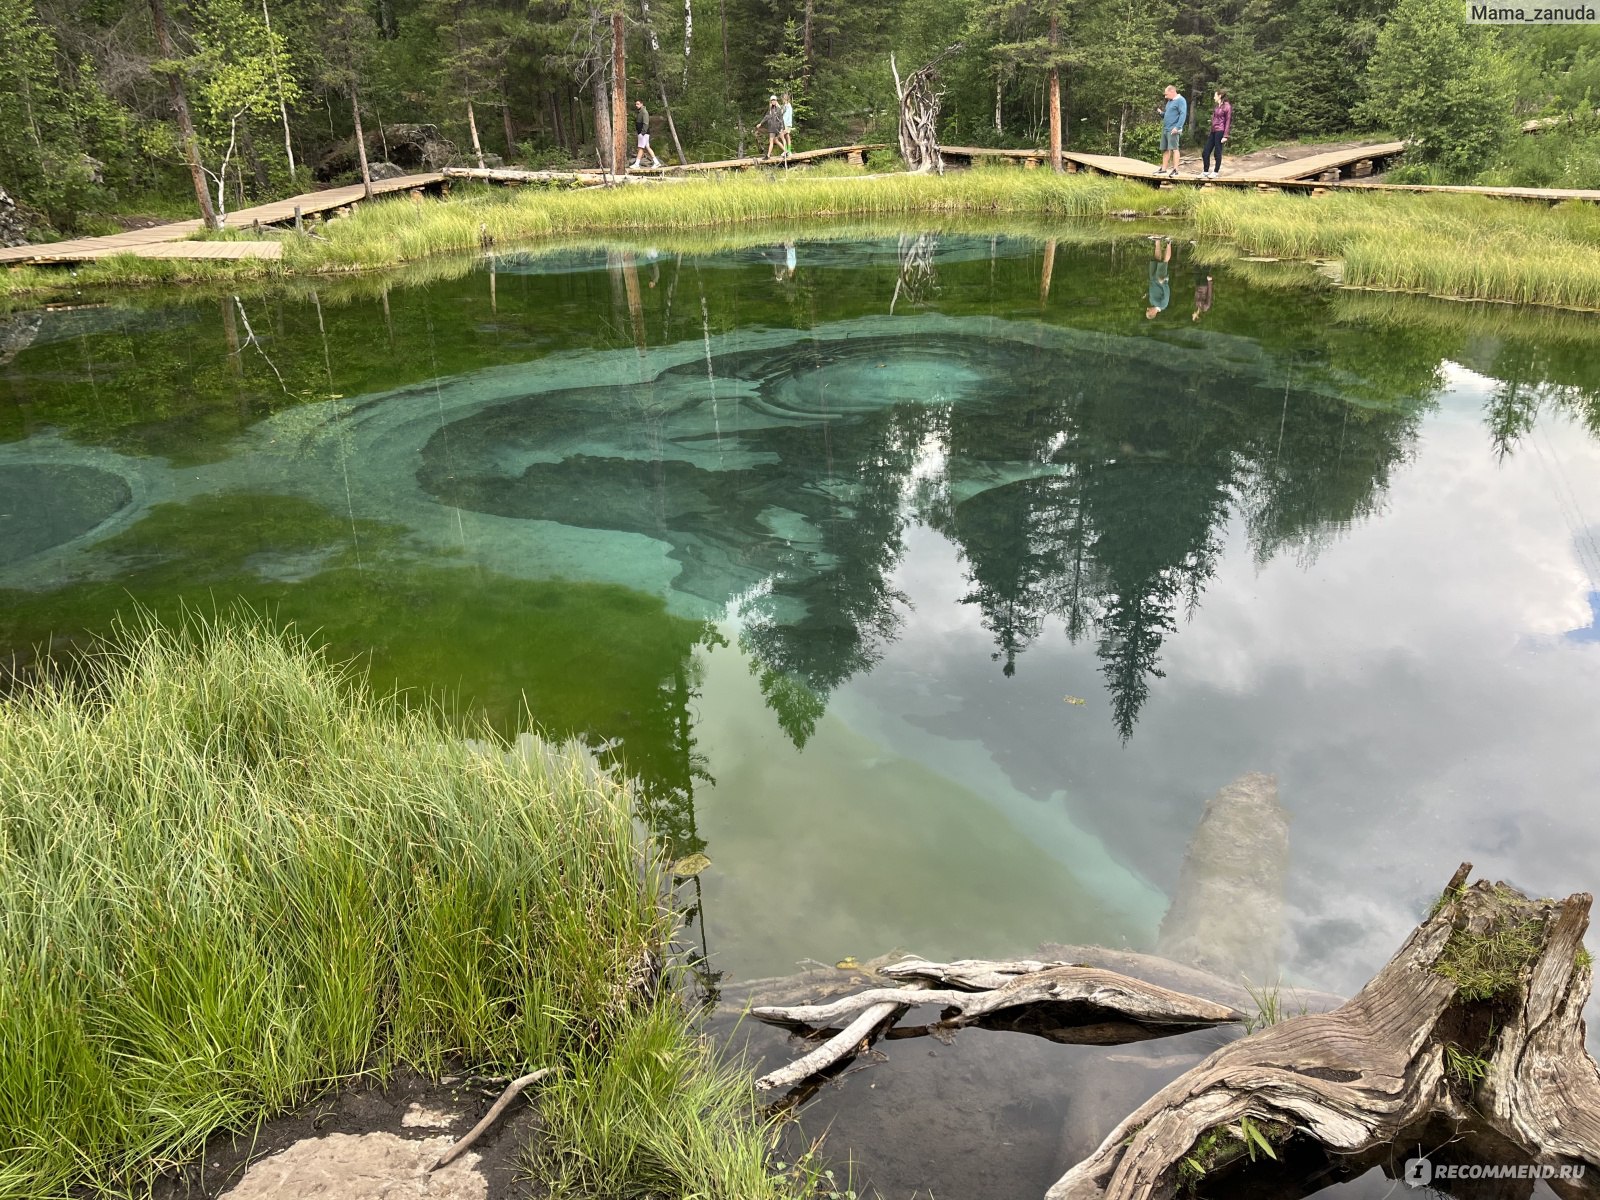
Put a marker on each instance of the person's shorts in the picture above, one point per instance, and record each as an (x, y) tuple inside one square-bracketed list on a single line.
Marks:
[(1169, 138), (644, 141)]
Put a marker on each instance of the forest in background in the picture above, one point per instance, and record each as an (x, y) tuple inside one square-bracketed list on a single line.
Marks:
[(95, 95)]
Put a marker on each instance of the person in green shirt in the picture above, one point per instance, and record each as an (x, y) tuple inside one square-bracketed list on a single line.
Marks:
[(1160, 276)]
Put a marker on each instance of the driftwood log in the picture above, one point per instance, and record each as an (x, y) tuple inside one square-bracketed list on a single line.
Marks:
[(1471, 1038), (920, 98), (1058, 1001)]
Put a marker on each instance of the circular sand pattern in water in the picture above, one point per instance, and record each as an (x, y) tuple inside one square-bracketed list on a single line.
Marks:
[(870, 374), (43, 505)]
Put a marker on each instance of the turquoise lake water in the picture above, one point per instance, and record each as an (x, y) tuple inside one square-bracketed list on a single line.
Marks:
[(927, 591)]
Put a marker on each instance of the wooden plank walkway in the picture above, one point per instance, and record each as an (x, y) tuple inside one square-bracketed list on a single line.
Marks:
[(855, 153), (1314, 165), (1549, 195), (162, 241), (1133, 168)]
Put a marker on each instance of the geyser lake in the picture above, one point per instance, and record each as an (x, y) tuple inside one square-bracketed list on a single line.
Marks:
[(928, 588)]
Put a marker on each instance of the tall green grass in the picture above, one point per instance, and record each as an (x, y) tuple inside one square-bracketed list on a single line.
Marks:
[(396, 231), (1467, 247), (230, 879)]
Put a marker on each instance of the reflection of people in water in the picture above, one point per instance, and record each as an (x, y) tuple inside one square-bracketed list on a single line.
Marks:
[(1160, 276), (1202, 293), (785, 270)]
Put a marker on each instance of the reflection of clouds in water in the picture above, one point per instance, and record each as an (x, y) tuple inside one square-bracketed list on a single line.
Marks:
[(1591, 631), (1416, 689)]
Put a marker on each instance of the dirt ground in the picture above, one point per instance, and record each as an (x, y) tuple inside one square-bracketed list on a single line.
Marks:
[(370, 1143)]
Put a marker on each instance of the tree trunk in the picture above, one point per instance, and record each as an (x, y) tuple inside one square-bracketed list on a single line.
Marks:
[(919, 99), (661, 79), (258, 169), (727, 68), (277, 72), (810, 13), (472, 128), (688, 37), (1467, 1047), (672, 127), (999, 94), (1055, 94), (619, 92), (1056, 1001), (555, 122), (361, 141), (602, 116), (180, 108), (511, 133)]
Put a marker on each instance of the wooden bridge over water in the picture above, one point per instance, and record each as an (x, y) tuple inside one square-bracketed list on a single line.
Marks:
[(1343, 169)]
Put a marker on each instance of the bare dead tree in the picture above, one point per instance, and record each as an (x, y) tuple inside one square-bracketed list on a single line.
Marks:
[(920, 98)]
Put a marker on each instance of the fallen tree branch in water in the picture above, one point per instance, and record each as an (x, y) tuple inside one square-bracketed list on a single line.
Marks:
[(1054, 1000), (840, 1046), (1073, 996), (1471, 1037)]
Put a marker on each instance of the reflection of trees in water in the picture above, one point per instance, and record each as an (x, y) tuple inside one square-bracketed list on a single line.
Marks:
[(1114, 529), (849, 611), (1145, 471), (659, 753), (1079, 483), (1532, 379)]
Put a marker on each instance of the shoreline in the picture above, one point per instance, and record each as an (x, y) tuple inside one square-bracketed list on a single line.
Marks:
[(1531, 255)]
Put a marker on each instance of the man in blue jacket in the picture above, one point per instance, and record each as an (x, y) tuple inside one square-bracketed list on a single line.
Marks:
[(1174, 114)]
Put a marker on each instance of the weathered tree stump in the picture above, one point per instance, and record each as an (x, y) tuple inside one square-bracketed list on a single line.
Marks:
[(920, 98), (1472, 1033)]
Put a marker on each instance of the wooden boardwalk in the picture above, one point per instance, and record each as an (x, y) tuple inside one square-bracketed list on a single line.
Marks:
[(1311, 167), (171, 241), (1314, 173), (1327, 171)]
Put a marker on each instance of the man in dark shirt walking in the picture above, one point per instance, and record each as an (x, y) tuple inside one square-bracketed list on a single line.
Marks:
[(641, 126)]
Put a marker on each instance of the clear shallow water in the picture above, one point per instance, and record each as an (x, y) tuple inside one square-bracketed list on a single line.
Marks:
[(934, 628)]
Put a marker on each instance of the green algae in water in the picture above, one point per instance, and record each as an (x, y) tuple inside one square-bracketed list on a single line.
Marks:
[(569, 658)]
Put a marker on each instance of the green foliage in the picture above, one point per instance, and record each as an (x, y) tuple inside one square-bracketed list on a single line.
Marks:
[(786, 68), (1223, 1145), (1567, 156), (1465, 1069), (1269, 1007), (1444, 86), (229, 876), (1491, 964), (47, 121)]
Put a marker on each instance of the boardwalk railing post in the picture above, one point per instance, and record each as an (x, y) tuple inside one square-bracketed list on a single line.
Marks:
[(299, 226)]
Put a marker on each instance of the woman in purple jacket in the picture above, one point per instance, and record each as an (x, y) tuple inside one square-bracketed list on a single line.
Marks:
[(1221, 127)]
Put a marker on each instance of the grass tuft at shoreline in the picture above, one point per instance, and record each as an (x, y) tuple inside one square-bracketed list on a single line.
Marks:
[(1464, 247), (394, 232), (230, 879)]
